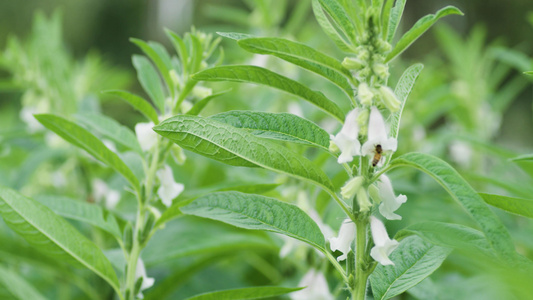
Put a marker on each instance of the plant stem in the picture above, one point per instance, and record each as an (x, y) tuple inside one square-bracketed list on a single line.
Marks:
[(361, 274), (134, 254)]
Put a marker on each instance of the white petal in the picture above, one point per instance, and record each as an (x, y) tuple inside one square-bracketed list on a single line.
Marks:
[(347, 139), (140, 271), (377, 135), (316, 287), (145, 135), (112, 199), (383, 244), (326, 230), (390, 202), (100, 190), (169, 189), (344, 241)]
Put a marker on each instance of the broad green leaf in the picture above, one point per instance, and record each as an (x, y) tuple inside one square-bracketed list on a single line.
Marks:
[(414, 260), (448, 235), (519, 206), (80, 137), (252, 188), (150, 81), (18, 286), (461, 191), (43, 229), (402, 91), (260, 292), (258, 75), (277, 126), (235, 35), (199, 106), (329, 29), (110, 129), (237, 147), (338, 14), (82, 211), (140, 104), (419, 28), (258, 213), (303, 56), (426, 289), (188, 236), (395, 16), (152, 52)]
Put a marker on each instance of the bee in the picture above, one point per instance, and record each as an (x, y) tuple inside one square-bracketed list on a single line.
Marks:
[(377, 156)]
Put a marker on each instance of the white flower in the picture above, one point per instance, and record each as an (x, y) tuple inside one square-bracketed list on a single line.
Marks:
[(140, 272), (383, 244), (145, 135), (347, 139), (377, 136), (364, 94), (344, 241), (351, 187), (461, 153), (102, 192), (390, 202), (317, 287), (26, 115), (169, 189)]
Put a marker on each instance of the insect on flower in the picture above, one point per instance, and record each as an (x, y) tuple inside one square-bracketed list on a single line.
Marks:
[(377, 155)]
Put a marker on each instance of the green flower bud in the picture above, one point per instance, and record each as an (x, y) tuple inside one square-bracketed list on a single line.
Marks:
[(362, 118), (381, 70), (374, 194), (362, 200), (364, 94), (333, 148), (177, 154), (383, 46), (389, 99), (351, 187), (352, 63)]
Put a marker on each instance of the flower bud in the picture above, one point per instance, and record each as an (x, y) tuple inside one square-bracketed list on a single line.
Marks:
[(352, 63), (389, 98), (362, 118), (381, 70), (374, 194), (177, 154), (363, 54), (201, 92), (351, 187), (333, 148), (383, 46), (362, 200), (364, 94)]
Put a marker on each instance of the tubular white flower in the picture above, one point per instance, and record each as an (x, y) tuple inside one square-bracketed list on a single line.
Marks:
[(390, 201), (347, 139), (344, 241), (145, 135), (169, 189), (351, 187), (377, 135), (317, 287), (140, 271), (383, 244)]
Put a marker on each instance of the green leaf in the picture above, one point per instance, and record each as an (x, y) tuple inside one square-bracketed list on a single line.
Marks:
[(152, 51), (150, 81), (338, 14), (303, 56), (394, 19), (246, 293), (529, 73), (80, 137), (525, 157), (18, 286), (518, 206), (414, 260), (199, 106), (258, 75), (140, 104), (43, 229), (419, 28), (82, 211), (329, 29), (235, 35), (461, 191), (111, 129), (237, 147), (277, 126), (258, 213), (181, 49)]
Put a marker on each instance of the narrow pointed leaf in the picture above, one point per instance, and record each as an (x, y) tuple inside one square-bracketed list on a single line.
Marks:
[(329, 29), (339, 15), (80, 137), (518, 206), (180, 47), (414, 260), (51, 234), (394, 19), (260, 292), (140, 104), (258, 213), (150, 81), (258, 75), (200, 105), (237, 147), (462, 192), (303, 56), (525, 157), (402, 91), (418, 29), (235, 35), (110, 129), (277, 126), (18, 286)]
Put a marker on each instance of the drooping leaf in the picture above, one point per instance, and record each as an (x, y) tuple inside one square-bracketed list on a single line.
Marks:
[(18, 286), (110, 129), (80, 137), (419, 28), (329, 29), (518, 206), (277, 126), (461, 191), (140, 104), (395, 16), (339, 15), (237, 147), (303, 56), (260, 292), (53, 235), (258, 213), (258, 75), (414, 260), (199, 106), (150, 81)]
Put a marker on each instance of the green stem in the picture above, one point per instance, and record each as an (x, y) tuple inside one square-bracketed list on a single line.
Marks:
[(336, 265), (361, 274), (134, 255)]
